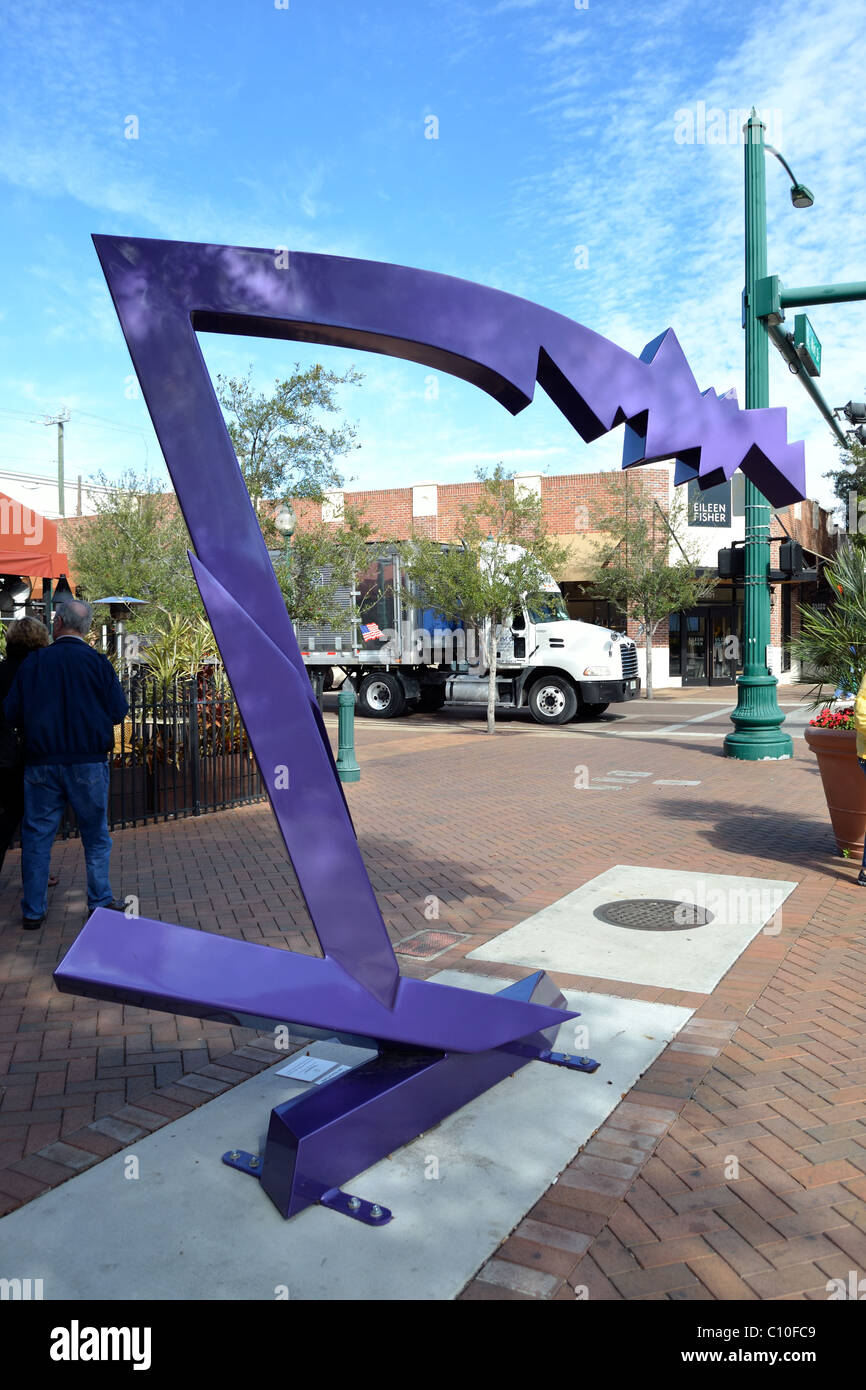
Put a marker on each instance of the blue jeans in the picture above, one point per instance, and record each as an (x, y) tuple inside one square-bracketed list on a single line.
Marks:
[(862, 762), (47, 788)]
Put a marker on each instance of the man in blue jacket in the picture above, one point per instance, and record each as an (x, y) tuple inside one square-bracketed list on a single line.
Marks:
[(66, 700)]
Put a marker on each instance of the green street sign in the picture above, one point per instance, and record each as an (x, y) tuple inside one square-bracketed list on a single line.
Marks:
[(808, 345)]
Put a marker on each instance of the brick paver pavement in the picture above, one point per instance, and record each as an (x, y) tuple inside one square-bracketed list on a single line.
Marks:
[(734, 1168)]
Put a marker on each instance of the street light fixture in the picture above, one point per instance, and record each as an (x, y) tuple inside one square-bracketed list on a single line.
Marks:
[(757, 734), (285, 521), (800, 195)]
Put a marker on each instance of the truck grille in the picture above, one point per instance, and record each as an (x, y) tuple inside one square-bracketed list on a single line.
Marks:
[(629, 659)]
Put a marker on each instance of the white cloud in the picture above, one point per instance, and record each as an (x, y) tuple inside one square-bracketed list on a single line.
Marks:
[(663, 222)]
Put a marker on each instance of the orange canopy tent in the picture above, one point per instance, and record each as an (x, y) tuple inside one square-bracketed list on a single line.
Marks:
[(28, 543)]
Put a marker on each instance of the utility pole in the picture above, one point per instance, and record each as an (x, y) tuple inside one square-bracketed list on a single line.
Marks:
[(59, 420), (757, 734)]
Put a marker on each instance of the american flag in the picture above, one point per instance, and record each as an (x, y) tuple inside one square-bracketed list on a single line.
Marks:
[(370, 632)]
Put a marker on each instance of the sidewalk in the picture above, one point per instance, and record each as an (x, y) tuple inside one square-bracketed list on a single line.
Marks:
[(768, 1079)]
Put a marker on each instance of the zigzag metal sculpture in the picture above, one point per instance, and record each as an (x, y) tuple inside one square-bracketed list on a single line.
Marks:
[(438, 1047)]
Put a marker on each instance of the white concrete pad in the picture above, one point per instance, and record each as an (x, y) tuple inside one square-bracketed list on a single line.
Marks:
[(189, 1227), (568, 937)]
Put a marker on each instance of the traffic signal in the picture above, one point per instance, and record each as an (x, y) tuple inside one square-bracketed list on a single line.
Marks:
[(732, 562), (791, 558)]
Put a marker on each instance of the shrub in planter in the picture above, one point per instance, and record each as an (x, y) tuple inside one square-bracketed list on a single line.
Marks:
[(833, 643)]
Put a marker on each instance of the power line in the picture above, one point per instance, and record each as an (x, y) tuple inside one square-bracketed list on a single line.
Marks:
[(86, 414), (110, 424)]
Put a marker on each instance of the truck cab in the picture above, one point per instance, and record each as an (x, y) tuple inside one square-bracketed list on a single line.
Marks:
[(544, 644), (556, 666)]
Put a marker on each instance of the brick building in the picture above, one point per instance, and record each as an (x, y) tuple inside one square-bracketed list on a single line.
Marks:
[(690, 648)]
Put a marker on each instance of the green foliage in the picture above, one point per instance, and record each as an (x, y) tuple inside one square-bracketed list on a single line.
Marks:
[(180, 647), (832, 642), (136, 544), (850, 477), (647, 565), (283, 448), (322, 559), (505, 552)]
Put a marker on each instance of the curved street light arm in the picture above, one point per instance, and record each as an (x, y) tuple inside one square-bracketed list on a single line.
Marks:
[(771, 149)]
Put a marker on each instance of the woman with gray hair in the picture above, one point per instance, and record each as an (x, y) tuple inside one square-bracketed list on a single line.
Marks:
[(24, 636)]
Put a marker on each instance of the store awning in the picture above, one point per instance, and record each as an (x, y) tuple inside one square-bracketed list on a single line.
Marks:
[(582, 555)]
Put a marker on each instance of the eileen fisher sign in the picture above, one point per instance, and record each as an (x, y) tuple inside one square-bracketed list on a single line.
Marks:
[(710, 508)]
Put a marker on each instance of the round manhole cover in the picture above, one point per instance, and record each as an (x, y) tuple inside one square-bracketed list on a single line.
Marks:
[(654, 914)]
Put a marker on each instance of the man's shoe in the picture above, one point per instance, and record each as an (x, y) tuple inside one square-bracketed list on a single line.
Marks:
[(862, 878), (117, 905), (31, 923)]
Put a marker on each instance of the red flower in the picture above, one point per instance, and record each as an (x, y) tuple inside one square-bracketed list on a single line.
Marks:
[(834, 719)]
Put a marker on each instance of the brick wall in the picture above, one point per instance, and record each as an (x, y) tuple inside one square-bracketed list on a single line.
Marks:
[(568, 502)]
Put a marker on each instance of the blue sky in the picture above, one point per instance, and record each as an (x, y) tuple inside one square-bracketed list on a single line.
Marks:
[(558, 174)]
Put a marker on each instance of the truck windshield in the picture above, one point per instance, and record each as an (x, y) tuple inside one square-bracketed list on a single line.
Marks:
[(546, 608)]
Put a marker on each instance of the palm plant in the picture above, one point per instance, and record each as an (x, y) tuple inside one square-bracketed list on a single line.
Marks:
[(182, 648), (832, 642)]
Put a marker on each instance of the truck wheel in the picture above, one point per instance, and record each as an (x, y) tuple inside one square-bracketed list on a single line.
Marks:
[(432, 698), (553, 700), (381, 696), (592, 711)]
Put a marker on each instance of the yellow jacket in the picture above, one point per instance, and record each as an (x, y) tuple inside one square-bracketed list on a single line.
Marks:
[(860, 719)]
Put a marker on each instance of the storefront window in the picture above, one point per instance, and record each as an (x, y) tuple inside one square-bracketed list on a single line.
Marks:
[(585, 607), (674, 644)]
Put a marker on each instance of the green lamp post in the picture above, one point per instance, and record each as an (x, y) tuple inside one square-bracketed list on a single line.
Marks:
[(757, 733)]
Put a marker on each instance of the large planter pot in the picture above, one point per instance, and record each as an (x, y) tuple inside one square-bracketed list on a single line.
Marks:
[(844, 784)]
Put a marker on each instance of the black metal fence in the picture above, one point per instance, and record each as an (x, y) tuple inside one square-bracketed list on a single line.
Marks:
[(182, 750)]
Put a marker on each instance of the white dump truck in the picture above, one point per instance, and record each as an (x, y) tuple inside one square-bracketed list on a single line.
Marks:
[(399, 657)]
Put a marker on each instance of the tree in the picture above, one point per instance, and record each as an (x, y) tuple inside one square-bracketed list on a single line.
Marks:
[(136, 544), (283, 448), (646, 566), (321, 560), (504, 553), (848, 478)]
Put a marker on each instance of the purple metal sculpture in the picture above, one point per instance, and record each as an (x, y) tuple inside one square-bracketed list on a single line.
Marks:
[(438, 1047)]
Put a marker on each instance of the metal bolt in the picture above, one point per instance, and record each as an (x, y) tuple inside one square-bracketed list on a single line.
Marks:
[(254, 1162), (375, 1211), (354, 1204), (234, 1156)]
